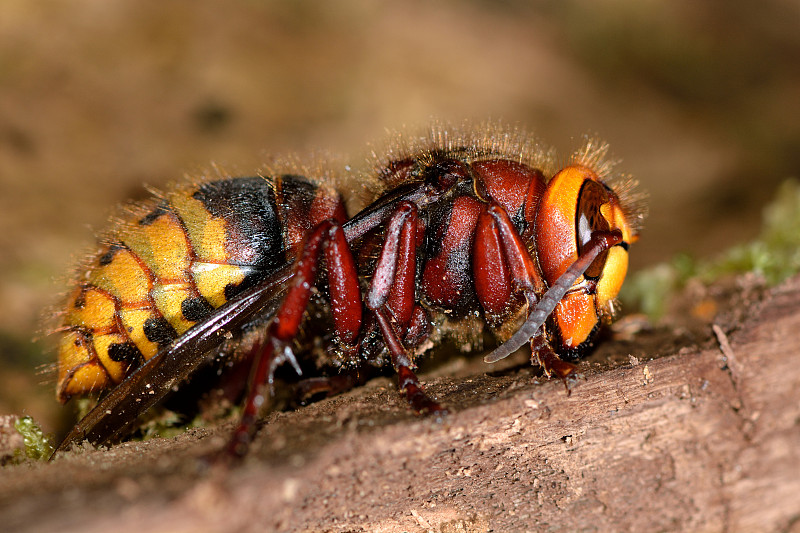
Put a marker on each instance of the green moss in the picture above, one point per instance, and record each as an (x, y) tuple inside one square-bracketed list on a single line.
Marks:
[(162, 423), (774, 255), (37, 444)]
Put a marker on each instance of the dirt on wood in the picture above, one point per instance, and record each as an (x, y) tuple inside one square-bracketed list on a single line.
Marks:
[(692, 427)]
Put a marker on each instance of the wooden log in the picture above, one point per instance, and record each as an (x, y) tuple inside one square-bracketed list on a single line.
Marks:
[(704, 439)]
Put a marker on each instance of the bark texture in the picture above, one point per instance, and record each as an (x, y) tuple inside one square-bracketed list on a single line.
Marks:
[(705, 438)]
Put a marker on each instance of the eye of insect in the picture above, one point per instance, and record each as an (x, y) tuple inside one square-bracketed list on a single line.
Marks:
[(591, 197)]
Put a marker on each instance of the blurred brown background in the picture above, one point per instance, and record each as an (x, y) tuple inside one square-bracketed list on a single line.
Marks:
[(700, 101)]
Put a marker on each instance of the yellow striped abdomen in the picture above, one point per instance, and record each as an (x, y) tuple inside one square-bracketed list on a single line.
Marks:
[(171, 267)]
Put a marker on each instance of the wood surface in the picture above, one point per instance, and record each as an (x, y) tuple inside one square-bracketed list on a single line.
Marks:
[(705, 438)]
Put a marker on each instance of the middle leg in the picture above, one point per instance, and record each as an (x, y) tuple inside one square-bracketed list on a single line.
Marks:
[(391, 298)]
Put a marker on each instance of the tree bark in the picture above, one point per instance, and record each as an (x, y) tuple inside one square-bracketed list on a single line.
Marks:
[(704, 439)]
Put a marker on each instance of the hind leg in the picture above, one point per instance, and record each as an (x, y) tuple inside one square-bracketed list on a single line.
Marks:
[(276, 349)]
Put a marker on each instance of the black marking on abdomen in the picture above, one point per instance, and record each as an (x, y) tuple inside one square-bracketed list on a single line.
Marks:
[(126, 352), (159, 330), (195, 309), (108, 257), (161, 209), (254, 230)]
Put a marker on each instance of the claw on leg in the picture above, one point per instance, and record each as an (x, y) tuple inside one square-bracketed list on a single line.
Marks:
[(555, 366), (552, 364), (269, 357), (407, 380), (420, 402)]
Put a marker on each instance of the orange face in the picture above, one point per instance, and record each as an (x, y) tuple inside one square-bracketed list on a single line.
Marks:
[(575, 204)]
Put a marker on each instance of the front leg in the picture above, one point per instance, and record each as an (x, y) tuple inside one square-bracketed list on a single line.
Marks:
[(552, 365), (503, 265), (524, 277), (598, 243)]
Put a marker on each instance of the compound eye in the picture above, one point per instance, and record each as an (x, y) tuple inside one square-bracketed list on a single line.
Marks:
[(575, 205), (589, 219), (616, 262)]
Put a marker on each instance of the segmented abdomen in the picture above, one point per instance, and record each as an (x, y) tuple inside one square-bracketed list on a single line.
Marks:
[(167, 270)]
